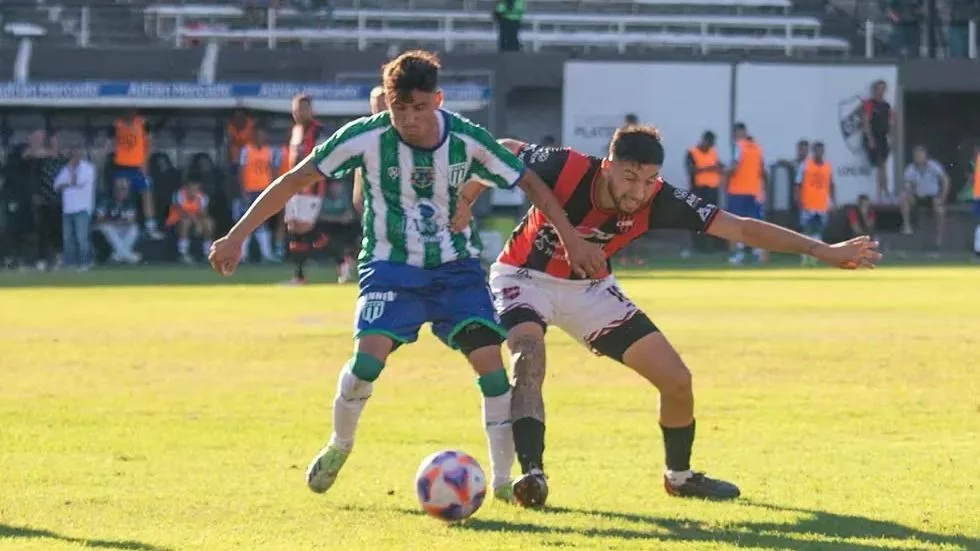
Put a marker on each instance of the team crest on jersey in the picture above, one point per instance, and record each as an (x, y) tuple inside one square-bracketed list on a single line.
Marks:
[(372, 310), (394, 173), (624, 224), (422, 177), (457, 174)]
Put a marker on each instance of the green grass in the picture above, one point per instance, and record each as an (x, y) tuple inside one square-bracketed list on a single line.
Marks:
[(149, 409)]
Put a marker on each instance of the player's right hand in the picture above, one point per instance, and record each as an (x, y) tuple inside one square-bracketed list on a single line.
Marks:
[(586, 259), (859, 252), (225, 255)]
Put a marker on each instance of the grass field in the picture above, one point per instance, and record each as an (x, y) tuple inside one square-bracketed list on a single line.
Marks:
[(150, 409)]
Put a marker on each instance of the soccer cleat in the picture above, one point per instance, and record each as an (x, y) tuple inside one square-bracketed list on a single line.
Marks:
[(504, 493), (703, 487), (531, 490), (322, 472)]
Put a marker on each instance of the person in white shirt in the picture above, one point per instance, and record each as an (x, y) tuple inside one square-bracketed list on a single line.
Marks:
[(76, 183)]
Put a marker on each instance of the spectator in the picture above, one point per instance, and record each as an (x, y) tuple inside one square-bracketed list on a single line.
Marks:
[(76, 183), (861, 218), (877, 135), (509, 15), (802, 154), (906, 18), (133, 146), (17, 201), (746, 185), (189, 211), (116, 220), (815, 193), (240, 131), (705, 172), (926, 186), (43, 165), (259, 164)]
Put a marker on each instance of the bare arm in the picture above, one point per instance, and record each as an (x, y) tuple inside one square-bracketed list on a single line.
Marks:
[(758, 233), (275, 197)]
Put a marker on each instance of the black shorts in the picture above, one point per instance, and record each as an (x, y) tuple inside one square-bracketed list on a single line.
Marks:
[(879, 154), (926, 202), (342, 239)]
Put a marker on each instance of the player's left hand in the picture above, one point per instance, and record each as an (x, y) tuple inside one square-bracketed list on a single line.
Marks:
[(859, 252), (224, 256), (463, 216)]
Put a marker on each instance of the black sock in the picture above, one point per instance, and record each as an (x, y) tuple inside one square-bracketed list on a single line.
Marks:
[(529, 441), (299, 250), (677, 446)]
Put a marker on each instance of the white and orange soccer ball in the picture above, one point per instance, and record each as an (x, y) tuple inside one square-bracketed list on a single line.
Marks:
[(450, 485)]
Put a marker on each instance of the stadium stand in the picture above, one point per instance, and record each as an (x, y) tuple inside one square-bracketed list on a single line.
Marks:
[(699, 26)]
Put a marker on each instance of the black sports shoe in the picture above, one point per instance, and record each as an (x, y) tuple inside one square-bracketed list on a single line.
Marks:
[(703, 487), (531, 490)]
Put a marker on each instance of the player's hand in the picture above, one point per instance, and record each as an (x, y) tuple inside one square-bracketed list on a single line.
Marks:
[(859, 252), (586, 259), (225, 255), (463, 216)]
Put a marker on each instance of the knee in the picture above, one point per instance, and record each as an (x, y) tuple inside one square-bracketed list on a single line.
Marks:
[(527, 357), (357, 378), (678, 384)]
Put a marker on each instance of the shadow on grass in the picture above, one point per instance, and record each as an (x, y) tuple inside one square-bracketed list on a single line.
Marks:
[(8, 532), (813, 530)]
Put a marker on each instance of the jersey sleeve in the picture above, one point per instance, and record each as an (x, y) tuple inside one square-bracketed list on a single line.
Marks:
[(493, 164), (546, 162), (342, 151), (680, 209)]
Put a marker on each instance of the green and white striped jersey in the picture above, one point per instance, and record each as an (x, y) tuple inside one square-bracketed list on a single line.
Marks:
[(410, 194)]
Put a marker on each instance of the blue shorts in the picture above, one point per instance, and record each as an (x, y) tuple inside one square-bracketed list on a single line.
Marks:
[(396, 299), (745, 205), (813, 222), (138, 182)]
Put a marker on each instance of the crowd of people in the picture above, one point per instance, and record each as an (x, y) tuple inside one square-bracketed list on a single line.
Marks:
[(63, 204)]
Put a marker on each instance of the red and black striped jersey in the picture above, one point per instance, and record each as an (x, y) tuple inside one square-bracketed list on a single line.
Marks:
[(572, 176)]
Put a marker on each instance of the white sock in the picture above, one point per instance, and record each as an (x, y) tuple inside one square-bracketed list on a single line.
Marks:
[(500, 437), (183, 246), (264, 237), (352, 395), (677, 478)]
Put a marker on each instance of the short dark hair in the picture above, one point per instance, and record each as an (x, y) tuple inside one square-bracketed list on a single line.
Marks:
[(417, 70), (637, 143), (303, 98), (631, 118), (708, 136), (863, 197), (817, 144), (802, 143), (739, 126)]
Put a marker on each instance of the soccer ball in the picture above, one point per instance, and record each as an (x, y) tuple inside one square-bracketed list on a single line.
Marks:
[(450, 485)]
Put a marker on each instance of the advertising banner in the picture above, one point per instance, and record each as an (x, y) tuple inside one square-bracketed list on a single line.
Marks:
[(336, 100)]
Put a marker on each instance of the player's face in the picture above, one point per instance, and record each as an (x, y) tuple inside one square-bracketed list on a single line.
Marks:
[(818, 152), (919, 156), (414, 116), (302, 112), (631, 184), (260, 138)]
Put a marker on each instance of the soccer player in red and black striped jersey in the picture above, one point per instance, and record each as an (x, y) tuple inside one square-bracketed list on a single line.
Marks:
[(613, 201), (302, 209)]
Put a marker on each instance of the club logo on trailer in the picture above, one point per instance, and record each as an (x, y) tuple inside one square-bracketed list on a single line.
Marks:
[(850, 115)]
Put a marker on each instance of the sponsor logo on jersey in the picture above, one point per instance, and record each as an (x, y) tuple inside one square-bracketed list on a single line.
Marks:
[(624, 224)]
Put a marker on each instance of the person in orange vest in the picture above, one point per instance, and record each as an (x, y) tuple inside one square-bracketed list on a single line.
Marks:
[(815, 196), (189, 211), (706, 173), (746, 182), (976, 198), (240, 132), (258, 165), (133, 146)]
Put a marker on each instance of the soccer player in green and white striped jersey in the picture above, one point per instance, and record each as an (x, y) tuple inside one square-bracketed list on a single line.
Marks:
[(413, 268)]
